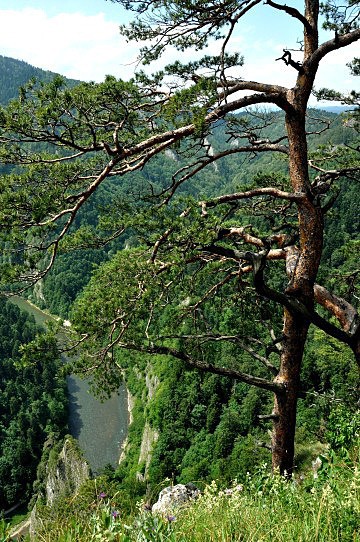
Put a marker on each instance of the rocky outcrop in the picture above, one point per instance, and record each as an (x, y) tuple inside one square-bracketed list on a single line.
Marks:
[(149, 439), (38, 293), (174, 497), (66, 472), (125, 444), (152, 383), (150, 435)]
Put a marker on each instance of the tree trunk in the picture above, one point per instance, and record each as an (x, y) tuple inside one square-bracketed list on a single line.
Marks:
[(301, 286), (283, 436)]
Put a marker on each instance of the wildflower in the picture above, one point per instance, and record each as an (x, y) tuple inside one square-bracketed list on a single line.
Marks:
[(239, 487), (115, 514), (171, 518), (228, 491), (102, 495)]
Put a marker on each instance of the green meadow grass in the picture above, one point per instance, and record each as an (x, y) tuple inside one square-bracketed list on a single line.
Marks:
[(262, 508)]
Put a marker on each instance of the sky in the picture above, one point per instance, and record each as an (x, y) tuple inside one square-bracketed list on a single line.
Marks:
[(80, 39)]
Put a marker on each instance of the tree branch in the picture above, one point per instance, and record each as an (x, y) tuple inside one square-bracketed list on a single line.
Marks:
[(322, 181), (343, 311), (265, 191), (268, 89), (236, 339), (286, 57), (293, 305), (172, 136), (261, 146), (292, 12), (274, 387), (332, 45)]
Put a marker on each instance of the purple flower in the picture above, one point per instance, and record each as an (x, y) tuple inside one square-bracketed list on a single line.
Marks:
[(115, 513), (102, 495), (171, 518)]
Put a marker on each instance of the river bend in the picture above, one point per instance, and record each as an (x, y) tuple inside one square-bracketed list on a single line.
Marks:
[(100, 428)]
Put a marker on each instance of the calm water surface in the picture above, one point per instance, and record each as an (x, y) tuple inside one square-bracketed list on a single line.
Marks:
[(100, 428)]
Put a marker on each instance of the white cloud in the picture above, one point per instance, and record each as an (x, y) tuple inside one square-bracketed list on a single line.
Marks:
[(73, 44), (88, 47), (333, 72)]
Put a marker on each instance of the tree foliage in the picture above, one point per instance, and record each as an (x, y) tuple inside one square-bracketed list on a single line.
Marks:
[(251, 253)]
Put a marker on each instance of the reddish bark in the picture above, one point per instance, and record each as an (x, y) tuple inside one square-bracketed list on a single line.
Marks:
[(283, 435), (302, 269)]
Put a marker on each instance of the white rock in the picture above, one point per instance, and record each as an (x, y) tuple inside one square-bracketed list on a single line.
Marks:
[(173, 497)]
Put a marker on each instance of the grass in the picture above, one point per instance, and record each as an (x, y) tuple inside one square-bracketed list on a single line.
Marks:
[(268, 508), (262, 508)]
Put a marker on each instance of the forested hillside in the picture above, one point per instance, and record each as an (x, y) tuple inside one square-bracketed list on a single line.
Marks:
[(15, 73), (33, 402), (33, 396)]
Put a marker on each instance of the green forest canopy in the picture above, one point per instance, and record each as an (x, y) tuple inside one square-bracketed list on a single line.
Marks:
[(33, 401)]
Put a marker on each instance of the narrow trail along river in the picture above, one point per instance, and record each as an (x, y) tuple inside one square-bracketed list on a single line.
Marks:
[(100, 428)]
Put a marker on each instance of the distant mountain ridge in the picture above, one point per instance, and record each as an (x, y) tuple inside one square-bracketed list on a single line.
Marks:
[(335, 108), (15, 73)]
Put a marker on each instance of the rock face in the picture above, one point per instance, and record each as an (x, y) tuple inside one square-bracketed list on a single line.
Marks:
[(68, 473), (150, 435), (173, 497), (148, 441), (65, 474)]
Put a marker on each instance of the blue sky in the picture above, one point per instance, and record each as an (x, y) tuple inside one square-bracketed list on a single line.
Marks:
[(53, 7), (80, 39)]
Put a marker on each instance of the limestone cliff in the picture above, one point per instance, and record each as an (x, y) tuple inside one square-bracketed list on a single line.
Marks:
[(65, 473), (150, 435), (68, 473), (148, 441)]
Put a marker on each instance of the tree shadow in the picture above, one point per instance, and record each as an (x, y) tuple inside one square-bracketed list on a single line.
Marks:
[(75, 421)]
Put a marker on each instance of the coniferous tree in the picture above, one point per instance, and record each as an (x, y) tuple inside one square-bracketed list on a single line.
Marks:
[(271, 230)]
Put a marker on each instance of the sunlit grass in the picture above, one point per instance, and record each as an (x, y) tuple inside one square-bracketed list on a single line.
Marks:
[(262, 508)]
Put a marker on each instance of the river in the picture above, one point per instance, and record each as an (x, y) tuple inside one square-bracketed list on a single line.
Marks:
[(100, 428)]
